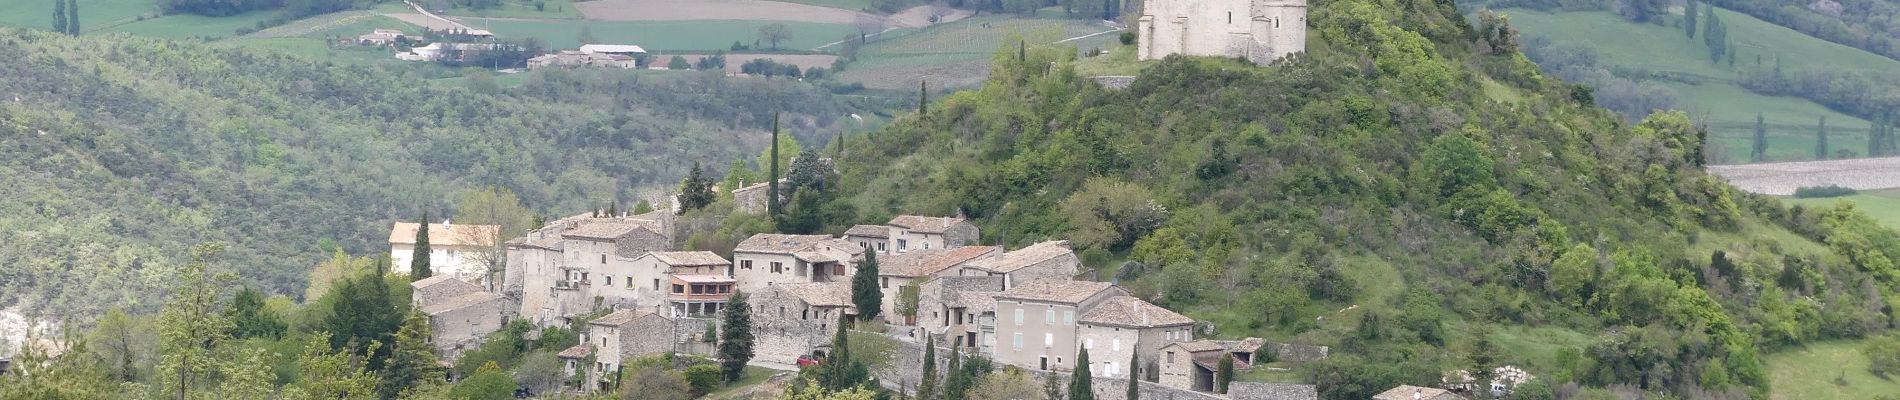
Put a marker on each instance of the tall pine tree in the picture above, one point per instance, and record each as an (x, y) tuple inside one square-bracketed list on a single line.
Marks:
[(840, 371), (1761, 139), (1224, 373), (1080, 387), (1820, 140), (363, 313), (927, 388), (59, 16), (771, 176), (1134, 375), (419, 260), (413, 362), (923, 98), (735, 343), (957, 384), (864, 290), (696, 190), (1688, 17)]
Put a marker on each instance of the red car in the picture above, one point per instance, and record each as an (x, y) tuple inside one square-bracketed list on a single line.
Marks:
[(807, 361)]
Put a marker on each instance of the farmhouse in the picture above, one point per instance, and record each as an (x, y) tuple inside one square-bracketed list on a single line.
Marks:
[(688, 283), (1036, 324), (872, 237), (623, 335), (911, 232), (767, 259), (919, 265), (1259, 30), (614, 49), (960, 310), (795, 319), (380, 37), (461, 315), (560, 269), (463, 251), (1047, 260), (1121, 327)]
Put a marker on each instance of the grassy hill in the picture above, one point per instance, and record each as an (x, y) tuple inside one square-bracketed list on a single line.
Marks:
[(1706, 88), (1828, 370), (957, 54), (120, 152), (1399, 192)]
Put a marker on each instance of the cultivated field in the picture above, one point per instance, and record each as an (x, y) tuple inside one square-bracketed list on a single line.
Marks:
[(1882, 205), (1729, 109), (94, 15), (957, 54), (734, 60), (685, 10), (663, 35), (1825, 371), (1783, 178), (543, 9)]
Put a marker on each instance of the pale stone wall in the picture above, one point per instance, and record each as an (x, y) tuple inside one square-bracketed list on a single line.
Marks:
[(1109, 349), (906, 369), (1035, 335), (463, 262), (464, 328), (888, 287), (785, 327), (1062, 267), (1261, 30), (959, 235), (760, 274)]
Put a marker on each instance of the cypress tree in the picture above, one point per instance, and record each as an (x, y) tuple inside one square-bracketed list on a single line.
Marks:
[(59, 16), (927, 388), (1134, 383), (1688, 17), (695, 191), (1874, 136), (771, 176), (419, 260), (72, 17), (1080, 387), (413, 362), (613, 208), (864, 290), (1761, 139), (1224, 373), (735, 343), (1820, 140), (1050, 389), (958, 385), (923, 98)]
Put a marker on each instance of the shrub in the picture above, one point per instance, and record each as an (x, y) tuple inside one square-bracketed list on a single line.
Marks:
[(702, 378), (1822, 192), (1883, 355), (1128, 38)]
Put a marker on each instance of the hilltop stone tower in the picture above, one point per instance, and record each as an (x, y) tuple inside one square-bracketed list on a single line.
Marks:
[(1260, 30)]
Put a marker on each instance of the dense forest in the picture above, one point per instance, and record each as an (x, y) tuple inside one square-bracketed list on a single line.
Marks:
[(1403, 191), (120, 152)]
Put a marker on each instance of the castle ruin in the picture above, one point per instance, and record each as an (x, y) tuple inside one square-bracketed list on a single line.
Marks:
[(1262, 31)]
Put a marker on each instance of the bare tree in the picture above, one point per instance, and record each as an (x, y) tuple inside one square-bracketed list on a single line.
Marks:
[(868, 24), (775, 33)]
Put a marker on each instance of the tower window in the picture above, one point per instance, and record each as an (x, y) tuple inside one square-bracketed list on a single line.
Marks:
[(1230, 17)]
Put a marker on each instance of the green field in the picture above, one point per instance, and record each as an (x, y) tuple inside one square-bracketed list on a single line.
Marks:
[(94, 15), (958, 52), (553, 9), (1818, 370), (665, 35), (1729, 109), (854, 5), (186, 26), (1882, 205)]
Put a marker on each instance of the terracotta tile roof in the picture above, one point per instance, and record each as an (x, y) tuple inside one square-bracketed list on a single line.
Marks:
[(811, 248), (577, 352), (1131, 312), (974, 302), (1054, 291), (821, 294), (435, 280), (447, 234), (923, 262), (923, 224), (618, 318), (1023, 257), (689, 258), (877, 231), (459, 302), (608, 229), (1409, 392)]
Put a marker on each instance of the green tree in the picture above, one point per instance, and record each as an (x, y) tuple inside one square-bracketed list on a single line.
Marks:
[(702, 379), (864, 289), (245, 373), (488, 383), (840, 371), (735, 343), (419, 258), (775, 33), (1134, 382), (1820, 140), (59, 16), (923, 98), (956, 384), (678, 63), (363, 315), (413, 362), (1689, 10), (655, 382), (1051, 388), (771, 178), (696, 189), (1224, 373), (642, 207), (72, 17), (927, 387), (123, 344), (191, 326), (249, 319), (1080, 387), (1760, 152)]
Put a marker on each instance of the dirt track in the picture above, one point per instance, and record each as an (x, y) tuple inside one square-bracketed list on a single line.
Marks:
[(753, 10)]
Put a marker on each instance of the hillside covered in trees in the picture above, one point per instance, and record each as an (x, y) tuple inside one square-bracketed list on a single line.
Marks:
[(1412, 191), (117, 153)]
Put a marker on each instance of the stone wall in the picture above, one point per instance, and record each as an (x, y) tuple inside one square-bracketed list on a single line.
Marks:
[(906, 369), (1298, 352)]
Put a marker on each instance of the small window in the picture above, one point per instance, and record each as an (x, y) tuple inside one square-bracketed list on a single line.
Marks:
[(1170, 357), (1049, 316), (610, 280), (1068, 317), (603, 259), (629, 283), (745, 264), (656, 283), (778, 267), (1019, 318), (679, 289), (886, 282), (1230, 17), (1049, 339), (1018, 343)]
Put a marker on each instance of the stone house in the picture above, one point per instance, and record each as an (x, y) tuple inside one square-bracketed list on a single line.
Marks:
[(567, 268), (795, 319), (1052, 260), (872, 237), (1409, 392), (1259, 30), (380, 37), (624, 335), (1119, 327), (911, 232), (1036, 321), (1190, 365), (751, 199), (902, 269), (461, 315), (960, 310), (463, 251), (647, 281), (766, 259)]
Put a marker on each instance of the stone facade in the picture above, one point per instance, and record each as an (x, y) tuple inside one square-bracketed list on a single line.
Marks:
[(464, 322), (911, 232), (767, 259), (625, 335), (905, 370), (1053, 260), (1036, 322), (789, 321), (578, 264), (1260, 30)]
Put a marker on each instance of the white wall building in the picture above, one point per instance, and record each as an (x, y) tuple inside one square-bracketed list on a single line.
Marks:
[(1260, 30), (460, 250)]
